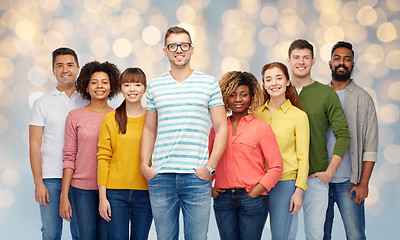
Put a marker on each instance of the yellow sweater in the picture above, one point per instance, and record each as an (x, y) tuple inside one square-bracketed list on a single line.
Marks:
[(118, 154), (292, 133)]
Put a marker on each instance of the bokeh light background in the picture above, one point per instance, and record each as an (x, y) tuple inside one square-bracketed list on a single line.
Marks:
[(227, 35)]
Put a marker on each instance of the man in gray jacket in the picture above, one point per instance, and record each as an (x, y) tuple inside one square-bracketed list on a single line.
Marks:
[(349, 187)]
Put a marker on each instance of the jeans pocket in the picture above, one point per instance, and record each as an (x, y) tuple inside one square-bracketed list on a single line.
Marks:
[(203, 180), (152, 178), (319, 181)]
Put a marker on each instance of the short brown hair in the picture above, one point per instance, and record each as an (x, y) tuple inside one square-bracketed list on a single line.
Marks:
[(175, 30), (301, 44)]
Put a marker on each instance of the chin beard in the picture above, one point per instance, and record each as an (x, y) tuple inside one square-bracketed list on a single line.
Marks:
[(341, 77)]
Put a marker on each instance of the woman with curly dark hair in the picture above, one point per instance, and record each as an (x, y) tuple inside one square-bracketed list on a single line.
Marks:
[(97, 82), (241, 183), (283, 111)]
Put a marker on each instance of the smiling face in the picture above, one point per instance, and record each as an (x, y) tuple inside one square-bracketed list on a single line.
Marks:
[(132, 91), (240, 100), (275, 82), (341, 64), (65, 70), (99, 86), (300, 62), (179, 58)]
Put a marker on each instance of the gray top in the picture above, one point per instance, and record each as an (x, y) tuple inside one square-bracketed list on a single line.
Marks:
[(362, 122)]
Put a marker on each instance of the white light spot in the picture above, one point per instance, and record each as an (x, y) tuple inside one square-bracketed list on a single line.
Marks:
[(10, 177), (389, 113), (151, 35), (122, 47)]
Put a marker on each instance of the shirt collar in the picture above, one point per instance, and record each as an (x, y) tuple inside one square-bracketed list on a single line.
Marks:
[(56, 92), (285, 106), (349, 87), (246, 118)]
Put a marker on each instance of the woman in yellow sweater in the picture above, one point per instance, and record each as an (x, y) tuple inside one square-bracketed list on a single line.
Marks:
[(283, 112), (123, 191)]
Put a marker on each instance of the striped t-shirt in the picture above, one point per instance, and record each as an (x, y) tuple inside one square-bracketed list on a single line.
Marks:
[(183, 120)]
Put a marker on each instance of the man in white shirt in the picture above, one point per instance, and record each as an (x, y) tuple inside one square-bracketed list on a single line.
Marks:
[(46, 141)]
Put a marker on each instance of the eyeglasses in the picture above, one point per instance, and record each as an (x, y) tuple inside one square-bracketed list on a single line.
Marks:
[(173, 47)]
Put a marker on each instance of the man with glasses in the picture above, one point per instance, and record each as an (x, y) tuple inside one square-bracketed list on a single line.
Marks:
[(180, 104)]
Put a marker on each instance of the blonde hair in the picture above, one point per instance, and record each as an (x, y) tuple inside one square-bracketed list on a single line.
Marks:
[(231, 80)]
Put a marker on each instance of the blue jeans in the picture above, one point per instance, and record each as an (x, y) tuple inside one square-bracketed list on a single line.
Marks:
[(315, 203), (90, 224), (279, 205), (129, 205), (240, 216), (170, 192), (52, 223), (352, 213)]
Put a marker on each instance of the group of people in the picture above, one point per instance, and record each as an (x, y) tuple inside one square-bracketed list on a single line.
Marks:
[(287, 143)]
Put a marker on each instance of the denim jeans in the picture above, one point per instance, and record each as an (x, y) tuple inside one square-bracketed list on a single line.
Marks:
[(240, 216), (352, 213), (279, 205), (170, 192), (132, 206), (91, 225), (52, 223), (315, 203)]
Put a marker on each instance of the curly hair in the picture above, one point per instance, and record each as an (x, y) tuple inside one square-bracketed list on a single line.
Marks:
[(231, 80), (92, 67), (130, 75), (290, 91)]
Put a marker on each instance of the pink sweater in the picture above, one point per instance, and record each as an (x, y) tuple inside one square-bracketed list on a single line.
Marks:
[(80, 150)]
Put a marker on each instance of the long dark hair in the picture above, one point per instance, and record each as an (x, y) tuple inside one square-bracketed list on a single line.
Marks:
[(290, 91), (130, 75)]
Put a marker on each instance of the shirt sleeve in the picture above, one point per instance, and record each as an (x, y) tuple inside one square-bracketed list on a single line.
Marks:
[(302, 132), (37, 116), (216, 96), (338, 123), (150, 100), (273, 158), (370, 150), (70, 142), (104, 153)]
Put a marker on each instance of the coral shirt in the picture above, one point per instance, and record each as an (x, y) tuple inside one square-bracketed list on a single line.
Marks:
[(242, 164)]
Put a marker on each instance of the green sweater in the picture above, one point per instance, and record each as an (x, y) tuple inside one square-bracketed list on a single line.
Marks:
[(323, 107)]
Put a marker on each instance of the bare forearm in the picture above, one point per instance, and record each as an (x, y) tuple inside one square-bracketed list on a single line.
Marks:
[(35, 154), (148, 139), (367, 172), (257, 190), (102, 192), (146, 147), (219, 146), (333, 165), (66, 182), (36, 167), (220, 125)]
